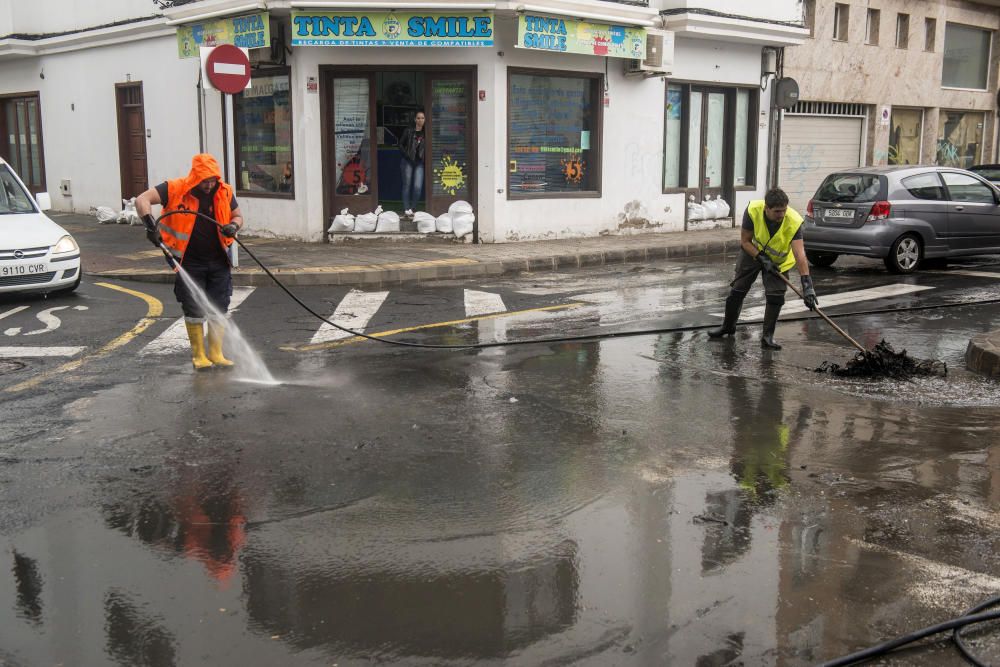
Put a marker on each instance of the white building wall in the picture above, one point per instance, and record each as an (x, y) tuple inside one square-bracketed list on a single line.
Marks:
[(768, 10), (62, 15)]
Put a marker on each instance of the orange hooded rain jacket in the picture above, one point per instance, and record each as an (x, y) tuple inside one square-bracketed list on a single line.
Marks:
[(176, 229)]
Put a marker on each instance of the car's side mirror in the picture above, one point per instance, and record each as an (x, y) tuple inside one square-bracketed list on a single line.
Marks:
[(44, 201)]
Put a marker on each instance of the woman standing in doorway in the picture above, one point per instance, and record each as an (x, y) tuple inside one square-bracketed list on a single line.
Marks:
[(411, 145)]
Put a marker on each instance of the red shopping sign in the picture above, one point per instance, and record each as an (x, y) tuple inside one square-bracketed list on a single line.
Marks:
[(228, 68)]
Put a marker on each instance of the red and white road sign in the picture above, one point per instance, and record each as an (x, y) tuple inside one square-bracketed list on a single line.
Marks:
[(228, 68)]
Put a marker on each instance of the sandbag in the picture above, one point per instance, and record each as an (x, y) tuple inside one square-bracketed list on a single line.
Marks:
[(105, 214), (128, 215), (366, 222), (460, 207), (695, 210), (723, 207), (462, 223), (444, 224), (343, 222), (711, 209), (388, 222), (426, 223)]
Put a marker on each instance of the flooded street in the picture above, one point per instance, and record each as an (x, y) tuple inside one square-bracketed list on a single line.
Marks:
[(646, 500)]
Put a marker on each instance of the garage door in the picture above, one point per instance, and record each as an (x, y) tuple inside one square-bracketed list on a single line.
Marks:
[(811, 148)]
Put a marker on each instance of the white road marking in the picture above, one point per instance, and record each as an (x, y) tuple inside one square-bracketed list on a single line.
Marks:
[(15, 352), (13, 311), (971, 274), (483, 303), (175, 338), (825, 301), (354, 311)]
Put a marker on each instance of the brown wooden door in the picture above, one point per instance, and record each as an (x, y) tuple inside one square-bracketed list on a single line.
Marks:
[(352, 167), (451, 158), (132, 139)]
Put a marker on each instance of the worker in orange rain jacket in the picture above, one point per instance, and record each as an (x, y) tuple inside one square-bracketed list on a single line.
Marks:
[(200, 246)]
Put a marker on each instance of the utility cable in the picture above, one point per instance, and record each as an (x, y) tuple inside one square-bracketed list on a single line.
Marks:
[(559, 339), (956, 624)]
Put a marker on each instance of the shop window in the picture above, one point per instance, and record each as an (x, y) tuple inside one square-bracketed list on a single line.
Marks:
[(960, 135), (695, 125), (902, 31), (351, 134), (554, 134), (930, 34), (264, 136), (872, 26), (21, 139), (966, 56), (841, 21), (904, 136)]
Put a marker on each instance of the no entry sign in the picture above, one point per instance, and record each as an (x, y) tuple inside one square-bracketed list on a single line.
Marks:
[(228, 68)]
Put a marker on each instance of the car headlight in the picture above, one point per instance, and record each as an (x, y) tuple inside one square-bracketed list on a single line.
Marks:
[(66, 244)]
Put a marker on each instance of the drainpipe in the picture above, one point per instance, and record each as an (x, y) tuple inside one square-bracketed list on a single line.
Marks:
[(774, 122)]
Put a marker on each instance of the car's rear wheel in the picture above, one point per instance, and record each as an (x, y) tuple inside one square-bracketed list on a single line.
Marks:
[(905, 254), (821, 259)]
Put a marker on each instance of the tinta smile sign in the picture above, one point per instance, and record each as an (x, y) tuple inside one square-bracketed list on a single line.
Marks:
[(391, 29)]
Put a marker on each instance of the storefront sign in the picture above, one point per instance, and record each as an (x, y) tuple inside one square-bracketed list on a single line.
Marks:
[(569, 36), (247, 32), (391, 29)]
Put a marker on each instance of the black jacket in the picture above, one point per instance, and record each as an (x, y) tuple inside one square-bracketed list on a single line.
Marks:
[(411, 149)]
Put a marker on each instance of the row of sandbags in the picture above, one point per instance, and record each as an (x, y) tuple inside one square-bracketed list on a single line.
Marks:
[(710, 209), (459, 220)]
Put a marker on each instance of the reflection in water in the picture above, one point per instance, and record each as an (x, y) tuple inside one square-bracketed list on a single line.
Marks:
[(205, 524), (416, 612), (29, 588), (135, 638)]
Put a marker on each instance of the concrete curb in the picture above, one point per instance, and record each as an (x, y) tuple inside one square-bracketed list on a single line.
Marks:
[(983, 354), (377, 276)]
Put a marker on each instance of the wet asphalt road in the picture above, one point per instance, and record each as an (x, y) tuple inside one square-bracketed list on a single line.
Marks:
[(644, 500)]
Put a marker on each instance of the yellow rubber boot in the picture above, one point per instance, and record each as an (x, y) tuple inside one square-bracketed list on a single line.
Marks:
[(216, 332), (196, 332)]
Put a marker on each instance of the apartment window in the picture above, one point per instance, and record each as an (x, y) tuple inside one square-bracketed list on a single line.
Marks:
[(871, 27), (554, 134), (264, 136), (966, 56), (841, 20), (902, 31), (809, 16), (930, 34)]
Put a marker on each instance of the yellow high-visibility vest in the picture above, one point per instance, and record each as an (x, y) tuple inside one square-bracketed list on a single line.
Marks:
[(778, 248)]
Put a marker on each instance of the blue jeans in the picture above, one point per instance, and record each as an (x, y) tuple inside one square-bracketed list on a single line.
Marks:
[(413, 182)]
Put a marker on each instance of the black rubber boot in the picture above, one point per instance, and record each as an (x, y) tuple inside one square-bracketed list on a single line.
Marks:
[(771, 312), (734, 304)]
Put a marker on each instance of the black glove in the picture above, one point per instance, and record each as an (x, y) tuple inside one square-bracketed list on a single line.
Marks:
[(766, 262), (229, 231), (808, 293), (152, 233)]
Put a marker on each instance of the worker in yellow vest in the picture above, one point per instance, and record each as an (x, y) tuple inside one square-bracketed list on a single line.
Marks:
[(771, 241)]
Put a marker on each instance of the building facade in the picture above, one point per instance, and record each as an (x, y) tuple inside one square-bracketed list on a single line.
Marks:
[(559, 119), (890, 82)]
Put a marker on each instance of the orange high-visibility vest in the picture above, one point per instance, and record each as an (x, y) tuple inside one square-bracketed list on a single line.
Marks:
[(176, 229)]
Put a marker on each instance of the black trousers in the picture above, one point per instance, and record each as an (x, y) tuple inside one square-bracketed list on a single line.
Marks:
[(747, 269), (216, 281)]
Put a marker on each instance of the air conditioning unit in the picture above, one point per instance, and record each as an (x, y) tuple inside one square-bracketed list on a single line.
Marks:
[(260, 56), (659, 60)]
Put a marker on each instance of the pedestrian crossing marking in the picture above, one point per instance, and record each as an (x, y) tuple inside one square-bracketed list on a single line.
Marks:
[(433, 325), (825, 301), (354, 311), (972, 274), (483, 303), (34, 352), (175, 338)]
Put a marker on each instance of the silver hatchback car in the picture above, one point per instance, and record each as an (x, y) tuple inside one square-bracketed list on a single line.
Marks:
[(902, 215)]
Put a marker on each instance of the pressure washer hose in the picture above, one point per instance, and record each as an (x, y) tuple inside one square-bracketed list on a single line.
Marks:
[(556, 339)]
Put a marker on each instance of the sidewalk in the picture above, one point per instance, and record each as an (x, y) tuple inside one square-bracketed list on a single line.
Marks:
[(122, 251)]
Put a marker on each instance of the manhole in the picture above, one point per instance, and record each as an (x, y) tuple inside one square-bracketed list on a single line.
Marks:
[(8, 366)]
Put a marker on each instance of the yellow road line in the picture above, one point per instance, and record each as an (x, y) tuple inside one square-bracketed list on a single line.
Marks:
[(154, 310), (434, 325)]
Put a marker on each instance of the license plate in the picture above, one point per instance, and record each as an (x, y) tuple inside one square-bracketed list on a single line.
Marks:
[(21, 269), (839, 213)]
